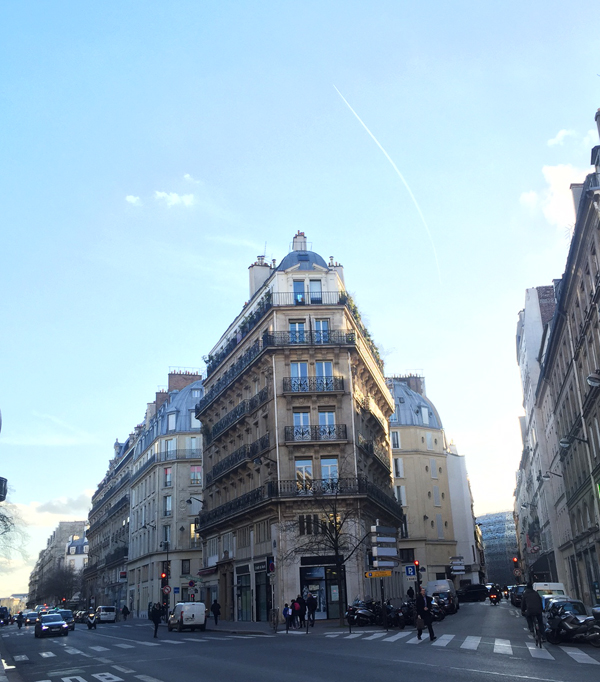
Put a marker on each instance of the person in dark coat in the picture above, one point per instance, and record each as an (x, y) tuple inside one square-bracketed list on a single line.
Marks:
[(125, 612), (216, 611), (156, 616), (532, 607), (311, 605), (302, 612), (410, 593), (423, 606)]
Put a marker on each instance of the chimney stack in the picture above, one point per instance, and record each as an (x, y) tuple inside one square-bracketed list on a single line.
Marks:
[(179, 380), (299, 243)]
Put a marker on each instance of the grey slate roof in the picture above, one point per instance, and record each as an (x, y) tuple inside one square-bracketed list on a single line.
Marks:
[(410, 406), (305, 259)]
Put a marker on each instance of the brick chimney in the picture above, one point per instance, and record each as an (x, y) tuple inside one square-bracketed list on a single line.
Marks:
[(179, 380)]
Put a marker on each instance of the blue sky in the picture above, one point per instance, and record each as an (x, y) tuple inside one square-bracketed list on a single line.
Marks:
[(150, 150)]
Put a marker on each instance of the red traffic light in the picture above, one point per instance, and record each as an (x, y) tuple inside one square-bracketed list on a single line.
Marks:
[(163, 575), (515, 560), (416, 564)]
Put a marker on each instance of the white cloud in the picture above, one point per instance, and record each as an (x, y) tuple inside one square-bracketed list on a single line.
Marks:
[(136, 201), (529, 199), (590, 139), (173, 199), (189, 178), (560, 137), (48, 431)]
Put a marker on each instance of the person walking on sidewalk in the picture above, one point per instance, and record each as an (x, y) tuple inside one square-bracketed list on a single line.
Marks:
[(311, 605), (287, 614), (156, 616), (423, 606), (216, 611), (125, 612)]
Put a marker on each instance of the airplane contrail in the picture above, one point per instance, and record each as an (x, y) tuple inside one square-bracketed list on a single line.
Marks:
[(408, 189)]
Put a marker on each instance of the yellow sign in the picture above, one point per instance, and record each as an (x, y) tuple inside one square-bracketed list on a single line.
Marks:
[(378, 574)]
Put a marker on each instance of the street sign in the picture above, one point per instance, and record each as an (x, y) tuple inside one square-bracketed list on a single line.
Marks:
[(192, 583), (517, 571), (385, 563), (378, 574), (410, 571), (166, 589), (175, 590)]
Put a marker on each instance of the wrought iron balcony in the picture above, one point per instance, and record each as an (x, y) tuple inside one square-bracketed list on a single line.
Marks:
[(372, 448), (295, 434), (273, 490), (244, 454), (272, 340), (239, 411), (313, 384)]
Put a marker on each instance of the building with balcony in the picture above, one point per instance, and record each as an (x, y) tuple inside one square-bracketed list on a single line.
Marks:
[(165, 488), (431, 484), (297, 451)]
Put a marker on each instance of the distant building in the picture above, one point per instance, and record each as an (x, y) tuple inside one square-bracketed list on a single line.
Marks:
[(500, 545)]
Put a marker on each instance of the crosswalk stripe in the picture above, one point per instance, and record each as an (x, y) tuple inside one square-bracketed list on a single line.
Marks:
[(99, 648), (149, 643), (171, 641), (354, 635), (502, 646), (539, 653), (21, 658), (414, 640), (47, 654), (125, 646), (471, 643), (395, 638), (377, 635), (579, 656), (444, 640)]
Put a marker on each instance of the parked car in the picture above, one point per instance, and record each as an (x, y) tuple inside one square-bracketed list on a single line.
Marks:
[(68, 617), (472, 593), (187, 615), (51, 624), (106, 614), (574, 606), (445, 591), (516, 595)]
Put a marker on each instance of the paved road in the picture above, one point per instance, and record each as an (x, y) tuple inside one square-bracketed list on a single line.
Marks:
[(479, 643)]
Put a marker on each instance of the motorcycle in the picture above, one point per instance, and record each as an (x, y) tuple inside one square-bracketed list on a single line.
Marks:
[(495, 598), (407, 610), (91, 621), (19, 620), (566, 627), (438, 612), (359, 614)]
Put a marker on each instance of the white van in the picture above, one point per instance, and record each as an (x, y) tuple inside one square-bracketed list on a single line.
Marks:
[(186, 615), (446, 592), (106, 614), (544, 589)]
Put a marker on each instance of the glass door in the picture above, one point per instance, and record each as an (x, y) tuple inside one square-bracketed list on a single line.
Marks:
[(321, 331), (299, 376), (324, 372), (296, 332)]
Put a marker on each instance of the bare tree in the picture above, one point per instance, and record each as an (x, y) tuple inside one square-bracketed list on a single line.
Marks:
[(60, 584), (13, 537)]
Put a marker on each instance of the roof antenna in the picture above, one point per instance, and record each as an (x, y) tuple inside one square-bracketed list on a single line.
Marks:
[(265, 251)]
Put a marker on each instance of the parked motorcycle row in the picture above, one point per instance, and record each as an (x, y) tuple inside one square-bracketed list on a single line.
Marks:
[(361, 613), (563, 626)]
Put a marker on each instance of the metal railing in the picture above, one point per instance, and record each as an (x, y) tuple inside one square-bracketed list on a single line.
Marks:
[(239, 456), (312, 384), (239, 411), (295, 434), (372, 448), (180, 453), (272, 340)]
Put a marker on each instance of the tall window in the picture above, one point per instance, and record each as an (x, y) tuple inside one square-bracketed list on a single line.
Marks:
[(316, 296), (326, 424), (195, 474), (299, 371), (168, 477), (324, 372), (425, 414), (167, 534), (194, 445), (321, 331), (433, 467), (436, 496), (167, 505), (171, 422), (440, 526), (329, 469), (401, 494), (170, 448), (429, 438), (194, 423), (296, 332), (304, 474), (395, 440), (299, 292), (301, 426), (398, 467)]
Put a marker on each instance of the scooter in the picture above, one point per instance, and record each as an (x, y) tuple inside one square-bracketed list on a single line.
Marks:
[(566, 627), (91, 621), (495, 598)]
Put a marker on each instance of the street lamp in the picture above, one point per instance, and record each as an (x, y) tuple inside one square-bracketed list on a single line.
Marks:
[(593, 379), (547, 476), (259, 460), (567, 441), (197, 499), (528, 506)]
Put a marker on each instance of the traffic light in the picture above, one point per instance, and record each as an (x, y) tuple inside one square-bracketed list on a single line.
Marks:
[(163, 579), (515, 561), (418, 573)]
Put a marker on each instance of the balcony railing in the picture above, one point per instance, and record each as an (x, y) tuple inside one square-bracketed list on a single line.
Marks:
[(239, 456), (136, 474), (301, 489), (239, 411), (295, 434), (313, 384), (372, 448), (272, 340), (180, 453)]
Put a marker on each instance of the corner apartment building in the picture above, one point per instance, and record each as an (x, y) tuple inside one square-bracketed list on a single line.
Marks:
[(297, 450), (431, 484)]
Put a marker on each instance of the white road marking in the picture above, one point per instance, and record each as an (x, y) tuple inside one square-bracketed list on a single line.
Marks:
[(444, 640), (579, 656), (125, 646), (377, 635), (121, 669), (147, 678), (46, 654), (536, 652), (21, 658), (395, 638), (149, 643), (171, 641), (414, 640), (471, 643), (354, 635), (502, 646), (72, 650), (99, 648)]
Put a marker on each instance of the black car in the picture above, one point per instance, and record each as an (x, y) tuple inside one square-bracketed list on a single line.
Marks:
[(472, 593), (68, 617), (516, 595), (30, 618), (51, 624)]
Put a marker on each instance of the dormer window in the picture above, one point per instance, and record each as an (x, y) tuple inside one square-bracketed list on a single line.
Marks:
[(316, 294), (299, 292)]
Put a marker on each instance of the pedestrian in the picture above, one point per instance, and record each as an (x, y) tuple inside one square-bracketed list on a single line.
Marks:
[(125, 612), (311, 605), (216, 611), (532, 607), (301, 610), (410, 593), (156, 616), (287, 614), (423, 606)]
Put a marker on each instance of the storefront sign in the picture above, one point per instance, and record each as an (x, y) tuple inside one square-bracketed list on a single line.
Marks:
[(260, 566)]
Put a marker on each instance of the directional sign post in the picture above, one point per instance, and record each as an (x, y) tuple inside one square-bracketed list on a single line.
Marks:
[(378, 574)]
